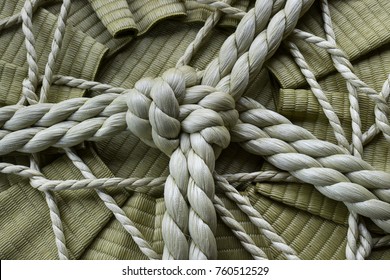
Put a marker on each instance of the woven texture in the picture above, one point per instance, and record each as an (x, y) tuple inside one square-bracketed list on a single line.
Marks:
[(194, 129)]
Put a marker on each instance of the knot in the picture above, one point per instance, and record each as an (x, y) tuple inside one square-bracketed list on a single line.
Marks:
[(29, 92), (160, 109)]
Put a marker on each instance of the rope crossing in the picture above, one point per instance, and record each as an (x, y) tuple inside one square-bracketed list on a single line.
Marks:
[(191, 116)]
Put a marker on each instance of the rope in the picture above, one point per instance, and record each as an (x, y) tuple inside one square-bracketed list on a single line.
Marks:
[(30, 84), (265, 228), (246, 241), (119, 214), (55, 49)]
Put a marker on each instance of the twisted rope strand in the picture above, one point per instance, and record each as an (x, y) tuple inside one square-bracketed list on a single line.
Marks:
[(111, 204), (54, 212), (30, 84), (264, 227), (352, 250), (17, 18), (344, 67), (176, 219), (381, 241), (55, 50), (297, 151), (232, 76), (225, 7), (246, 241), (29, 88), (147, 185), (203, 33), (373, 130), (316, 89)]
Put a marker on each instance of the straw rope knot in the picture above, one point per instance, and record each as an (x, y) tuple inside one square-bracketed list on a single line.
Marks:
[(190, 123), (160, 109)]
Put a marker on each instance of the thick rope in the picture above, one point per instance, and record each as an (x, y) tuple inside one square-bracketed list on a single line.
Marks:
[(326, 166), (243, 53), (175, 221)]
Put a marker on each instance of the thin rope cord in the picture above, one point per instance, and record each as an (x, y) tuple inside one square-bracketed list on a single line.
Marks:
[(141, 185), (316, 89), (203, 33), (17, 18), (344, 67), (353, 251), (230, 221), (225, 7), (30, 84), (373, 130), (111, 204), (55, 217), (264, 227), (55, 50)]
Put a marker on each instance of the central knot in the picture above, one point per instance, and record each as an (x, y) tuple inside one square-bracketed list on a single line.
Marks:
[(160, 109)]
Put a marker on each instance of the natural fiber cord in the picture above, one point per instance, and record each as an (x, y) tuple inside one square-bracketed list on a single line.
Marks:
[(194, 129)]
